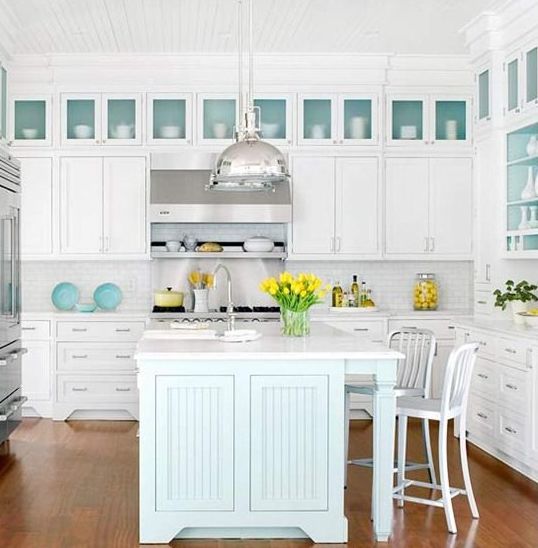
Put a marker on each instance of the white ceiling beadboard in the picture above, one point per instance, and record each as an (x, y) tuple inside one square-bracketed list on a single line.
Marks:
[(34, 27)]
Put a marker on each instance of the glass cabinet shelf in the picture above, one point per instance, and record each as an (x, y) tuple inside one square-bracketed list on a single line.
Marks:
[(273, 120), (219, 118), (407, 120), (450, 120)]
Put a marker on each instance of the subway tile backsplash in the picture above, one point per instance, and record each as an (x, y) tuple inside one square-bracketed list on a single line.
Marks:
[(391, 281)]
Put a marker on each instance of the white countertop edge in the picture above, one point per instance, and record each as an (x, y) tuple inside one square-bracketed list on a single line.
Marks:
[(85, 316), (499, 326)]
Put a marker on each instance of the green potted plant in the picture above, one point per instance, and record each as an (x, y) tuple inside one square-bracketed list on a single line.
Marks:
[(517, 295)]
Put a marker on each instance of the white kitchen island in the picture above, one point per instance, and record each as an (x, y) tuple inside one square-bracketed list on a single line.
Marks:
[(247, 439)]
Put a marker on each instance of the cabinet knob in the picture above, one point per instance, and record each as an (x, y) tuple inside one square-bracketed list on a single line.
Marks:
[(335, 141), (104, 140), (96, 141)]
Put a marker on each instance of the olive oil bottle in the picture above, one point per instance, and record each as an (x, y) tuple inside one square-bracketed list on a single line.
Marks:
[(337, 295), (355, 291)]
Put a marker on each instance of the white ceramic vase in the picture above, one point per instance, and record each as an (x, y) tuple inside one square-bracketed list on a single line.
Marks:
[(201, 300), (532, 146), (536, 184), (518, 306), (533, 221), (524, 223), (529, 191)]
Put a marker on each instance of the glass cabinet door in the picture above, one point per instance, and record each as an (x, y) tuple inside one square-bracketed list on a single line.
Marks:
[(81, 120), (407, 119), (169, 118), (531, 75), (317, 120), (451, 120), (274, 118), (358, 120), (483, 96), (218, 118), (121, 119), (30, 120), (512, 83)]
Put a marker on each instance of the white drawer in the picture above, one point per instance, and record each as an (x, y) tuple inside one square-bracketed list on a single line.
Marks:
[(96, 356), (373, 329), (97, 388), (442, 329), (481, 417), (512, 434), (514, 389), (487, 342), (35, 330), (483, 302), (515, 352), (485, 378), (100, 331)]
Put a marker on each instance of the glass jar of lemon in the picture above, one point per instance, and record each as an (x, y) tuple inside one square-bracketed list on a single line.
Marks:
[(425, 292)]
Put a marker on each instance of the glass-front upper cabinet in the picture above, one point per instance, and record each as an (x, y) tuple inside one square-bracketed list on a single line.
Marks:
[(81, 118), (531, 75), (217, 118), (483, 96), (451, 119), (169, 119), (407, 119), (358, 119), (317, 119), (30, 120), (121, 119), (275, 117), (512, 70), (3, 103)]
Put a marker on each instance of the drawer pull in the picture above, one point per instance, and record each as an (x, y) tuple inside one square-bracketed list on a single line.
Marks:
[(510, 351), (123, 356), (75, 389), (451, 327), (482, 343), (511, 386), (361, 329), (481, 302), (409, 326), (482, 416), (79, 329), (483, 376), (123, 329), (510, 430), (28, 328), (79, 356), (123, 389)]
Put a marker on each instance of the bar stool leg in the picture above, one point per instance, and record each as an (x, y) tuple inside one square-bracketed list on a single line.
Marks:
[(347, 401), (465, 469), (443, 473), (402, 443), (428, 450)]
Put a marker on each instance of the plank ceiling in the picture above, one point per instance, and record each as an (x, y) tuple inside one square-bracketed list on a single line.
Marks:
[(135, 26)]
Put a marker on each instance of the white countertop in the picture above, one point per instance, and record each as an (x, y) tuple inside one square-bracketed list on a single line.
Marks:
[(323, 343), (79, 316), (505, 327)]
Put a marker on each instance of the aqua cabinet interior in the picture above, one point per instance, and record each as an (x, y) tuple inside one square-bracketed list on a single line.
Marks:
[(30, 120), (169, 118), (101, 119), (217, 118), (521, 81), (274, 117), (521, 197), (338, 119), (483, 95), (441, 120)]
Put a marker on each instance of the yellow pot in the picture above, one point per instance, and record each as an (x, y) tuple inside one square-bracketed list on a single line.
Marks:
[(168, 298)]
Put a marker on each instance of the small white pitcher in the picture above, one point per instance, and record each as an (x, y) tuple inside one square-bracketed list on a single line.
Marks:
[(201, 300)]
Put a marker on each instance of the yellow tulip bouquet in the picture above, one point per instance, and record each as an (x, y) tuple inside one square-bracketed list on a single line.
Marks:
[(295, 295)]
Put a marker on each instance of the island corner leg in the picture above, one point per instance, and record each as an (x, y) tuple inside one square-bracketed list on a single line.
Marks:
[(383, 450)]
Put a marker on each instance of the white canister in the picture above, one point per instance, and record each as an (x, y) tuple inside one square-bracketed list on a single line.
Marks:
[(201, 300), (357, 127), (532, 146), (451, 130), (408, 132), (518, 306), (220, 130), (524, 222), (317, 131), (529, 192)]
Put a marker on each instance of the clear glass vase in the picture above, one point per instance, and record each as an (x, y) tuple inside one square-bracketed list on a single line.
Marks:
[(294, 324)]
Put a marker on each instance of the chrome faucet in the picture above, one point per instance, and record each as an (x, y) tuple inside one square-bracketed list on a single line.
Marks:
[(230, 304)]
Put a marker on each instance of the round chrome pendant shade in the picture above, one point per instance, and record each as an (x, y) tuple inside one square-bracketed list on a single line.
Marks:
[(249, 164)]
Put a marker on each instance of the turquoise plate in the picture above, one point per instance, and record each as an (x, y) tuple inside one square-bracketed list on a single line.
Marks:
[(107, 296), (64, 296)]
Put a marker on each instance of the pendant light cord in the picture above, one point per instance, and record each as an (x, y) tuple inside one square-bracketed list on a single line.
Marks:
[(250, 59), (240, 48)]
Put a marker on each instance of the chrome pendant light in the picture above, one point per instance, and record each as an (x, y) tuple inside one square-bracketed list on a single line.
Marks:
[(249, 164)]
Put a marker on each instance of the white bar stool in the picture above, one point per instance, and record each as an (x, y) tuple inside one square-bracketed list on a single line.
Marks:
[(451, 405), (413, 380)]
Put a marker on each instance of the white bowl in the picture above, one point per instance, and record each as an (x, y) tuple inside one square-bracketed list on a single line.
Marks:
[(122, 131), (530, 319), (173, 246), (29, 132), (170, 132), (259, 244), (83, 131), (220, 130), (270, 130)]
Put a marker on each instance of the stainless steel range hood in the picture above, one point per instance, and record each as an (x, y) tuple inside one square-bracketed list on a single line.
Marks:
[(179, 195)]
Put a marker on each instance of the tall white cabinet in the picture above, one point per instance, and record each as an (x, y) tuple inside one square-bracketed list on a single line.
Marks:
[(429, 207), (102, 205), (335, 207)]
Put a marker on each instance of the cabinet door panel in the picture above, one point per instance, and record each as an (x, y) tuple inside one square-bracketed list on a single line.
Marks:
[(36, 370), (407, 216), (357, 202), (451, 191), (125, 205), (313, 205), (36, 197), (194, 446), (81, 205)]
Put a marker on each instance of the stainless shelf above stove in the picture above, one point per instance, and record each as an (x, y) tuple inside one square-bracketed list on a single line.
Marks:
[(220, 255)]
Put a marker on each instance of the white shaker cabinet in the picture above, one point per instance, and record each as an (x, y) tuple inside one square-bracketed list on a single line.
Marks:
[(102, 206), (81, 205), (335, 207), (36, 199), (429, 208)]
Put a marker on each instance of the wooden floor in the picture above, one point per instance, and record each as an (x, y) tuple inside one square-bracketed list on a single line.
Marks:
[(74, 485)]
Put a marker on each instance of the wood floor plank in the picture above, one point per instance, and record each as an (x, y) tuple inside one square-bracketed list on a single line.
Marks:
[(75, 485)]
